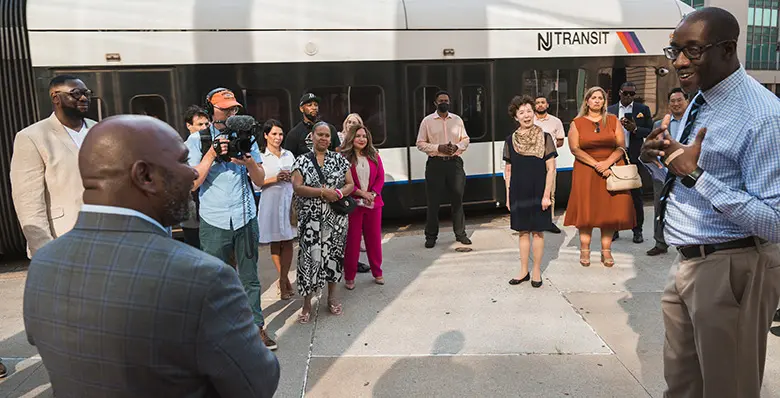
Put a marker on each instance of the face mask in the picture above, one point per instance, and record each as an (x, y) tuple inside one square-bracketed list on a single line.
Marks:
[(443, 107)]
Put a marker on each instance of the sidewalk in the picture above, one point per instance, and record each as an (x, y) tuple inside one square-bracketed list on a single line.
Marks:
[(447, 324)]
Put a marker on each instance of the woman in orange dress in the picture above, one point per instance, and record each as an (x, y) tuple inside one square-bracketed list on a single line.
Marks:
[(595, 139)]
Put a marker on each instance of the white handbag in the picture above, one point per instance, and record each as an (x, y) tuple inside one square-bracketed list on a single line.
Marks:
[(624, 178)]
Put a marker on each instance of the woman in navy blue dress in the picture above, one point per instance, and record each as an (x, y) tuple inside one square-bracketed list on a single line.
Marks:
[(530, 152)]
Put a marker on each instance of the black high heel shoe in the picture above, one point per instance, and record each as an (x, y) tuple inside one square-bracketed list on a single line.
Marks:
[(527, 277)]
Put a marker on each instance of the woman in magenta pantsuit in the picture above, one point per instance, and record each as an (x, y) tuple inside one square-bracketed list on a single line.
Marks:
[(366, 220)]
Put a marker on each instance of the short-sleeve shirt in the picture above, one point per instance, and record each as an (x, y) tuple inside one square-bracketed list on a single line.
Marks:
[(226, 196), (551, 125)]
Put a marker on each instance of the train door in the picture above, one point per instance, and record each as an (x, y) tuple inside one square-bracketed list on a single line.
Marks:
[(470, 86), (147, 92)]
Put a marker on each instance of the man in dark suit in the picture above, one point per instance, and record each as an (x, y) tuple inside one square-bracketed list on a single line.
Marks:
[(118, 308), (637, 121)]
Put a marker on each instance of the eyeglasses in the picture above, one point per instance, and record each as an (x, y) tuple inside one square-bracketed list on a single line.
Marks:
[(232, 110), (628, 93), (691, 52), (77, 94)]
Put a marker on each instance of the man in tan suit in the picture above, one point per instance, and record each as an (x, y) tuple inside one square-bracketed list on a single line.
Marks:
[(45, 182)]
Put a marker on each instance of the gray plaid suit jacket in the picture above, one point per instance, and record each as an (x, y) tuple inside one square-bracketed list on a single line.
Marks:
[(116, 308)]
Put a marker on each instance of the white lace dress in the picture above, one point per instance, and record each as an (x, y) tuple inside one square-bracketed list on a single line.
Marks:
[(273, 212)]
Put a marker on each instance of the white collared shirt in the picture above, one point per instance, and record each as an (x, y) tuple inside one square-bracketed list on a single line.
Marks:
[(78, 136), (123, 211), (622, 110)]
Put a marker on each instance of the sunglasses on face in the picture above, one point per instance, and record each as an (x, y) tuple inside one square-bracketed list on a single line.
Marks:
[(77, 94), (692, 52), (629, 93)]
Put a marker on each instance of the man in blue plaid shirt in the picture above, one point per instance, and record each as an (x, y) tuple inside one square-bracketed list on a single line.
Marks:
[(720, 207)]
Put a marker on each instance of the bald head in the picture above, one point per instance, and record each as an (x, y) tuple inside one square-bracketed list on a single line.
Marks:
[(719, 24), (114, 144), (137, 162)]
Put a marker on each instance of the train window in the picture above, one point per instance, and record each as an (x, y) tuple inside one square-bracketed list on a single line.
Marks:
[(270, 104), (564, 89), (423, 105), (644, 77), (473, 110), (151, 105), (334, 104), (97, 109), (369, 103)]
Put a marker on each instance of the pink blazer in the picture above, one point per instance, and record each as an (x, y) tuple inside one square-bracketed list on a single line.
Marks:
[(376, 180)]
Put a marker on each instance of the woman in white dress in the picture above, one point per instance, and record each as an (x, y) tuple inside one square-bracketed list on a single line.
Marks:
[(273, 213)]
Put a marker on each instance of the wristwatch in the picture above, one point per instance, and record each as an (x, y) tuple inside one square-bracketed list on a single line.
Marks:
[(690, 180)]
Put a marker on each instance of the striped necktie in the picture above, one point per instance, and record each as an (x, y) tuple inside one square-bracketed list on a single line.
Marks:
[(670, 177)]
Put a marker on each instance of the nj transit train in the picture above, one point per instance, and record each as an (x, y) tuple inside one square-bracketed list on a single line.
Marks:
[(382, 58)]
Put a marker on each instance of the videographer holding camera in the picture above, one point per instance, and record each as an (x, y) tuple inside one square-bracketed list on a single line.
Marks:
[(223, 154)]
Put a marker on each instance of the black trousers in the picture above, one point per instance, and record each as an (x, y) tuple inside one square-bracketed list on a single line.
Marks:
[(636, 195), (192, 237), (658, 231), (445, 177)]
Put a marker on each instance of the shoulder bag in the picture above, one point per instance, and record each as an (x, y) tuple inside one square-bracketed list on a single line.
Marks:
[(342, 206), (624, 178)]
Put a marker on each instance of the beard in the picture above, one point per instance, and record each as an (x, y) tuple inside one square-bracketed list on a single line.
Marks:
[(177, 199), (313, 117), (74, 112), (541, 112)]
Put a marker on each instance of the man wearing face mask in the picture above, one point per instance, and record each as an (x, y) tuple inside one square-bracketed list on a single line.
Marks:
[(299, 139), (228, 215), (443, 138), (45, 182)]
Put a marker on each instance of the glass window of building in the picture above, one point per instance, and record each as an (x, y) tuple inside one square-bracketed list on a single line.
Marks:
[(762, 35), (367, 101), (694, 3)]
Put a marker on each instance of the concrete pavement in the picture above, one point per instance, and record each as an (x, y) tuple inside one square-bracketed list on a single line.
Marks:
[(448, 324)]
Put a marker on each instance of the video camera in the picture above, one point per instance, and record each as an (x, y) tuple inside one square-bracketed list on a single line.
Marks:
[(241, 133)]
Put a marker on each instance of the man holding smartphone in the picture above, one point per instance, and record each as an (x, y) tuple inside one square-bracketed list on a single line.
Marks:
[(637, 121)]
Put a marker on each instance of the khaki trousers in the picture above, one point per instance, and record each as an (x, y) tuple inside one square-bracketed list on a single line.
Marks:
[(717, 313)]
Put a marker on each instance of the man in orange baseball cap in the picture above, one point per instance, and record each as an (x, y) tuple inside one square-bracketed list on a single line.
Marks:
[(228, 214), (224, 100)]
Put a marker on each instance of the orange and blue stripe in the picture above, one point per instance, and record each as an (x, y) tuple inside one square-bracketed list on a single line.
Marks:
[(631, 42)]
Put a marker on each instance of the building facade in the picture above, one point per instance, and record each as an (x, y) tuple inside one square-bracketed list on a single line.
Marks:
[(759, 46)]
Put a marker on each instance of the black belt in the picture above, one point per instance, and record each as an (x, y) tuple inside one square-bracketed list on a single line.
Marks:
[(444, 158), (695, 251)]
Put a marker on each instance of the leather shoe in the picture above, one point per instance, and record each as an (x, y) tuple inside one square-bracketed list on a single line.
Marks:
[(430, 243), (656, 251), (363, 267), (464, 240), (638, 238), (554, 229), (3, 370)]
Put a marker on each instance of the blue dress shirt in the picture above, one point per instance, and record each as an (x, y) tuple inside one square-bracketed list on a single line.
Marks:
[(738, 195), (226, 196)]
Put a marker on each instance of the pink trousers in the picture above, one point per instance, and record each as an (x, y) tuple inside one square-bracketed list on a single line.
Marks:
[(368, 223)]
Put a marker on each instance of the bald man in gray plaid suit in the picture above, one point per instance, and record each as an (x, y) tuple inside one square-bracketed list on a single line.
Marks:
[(117, 308)]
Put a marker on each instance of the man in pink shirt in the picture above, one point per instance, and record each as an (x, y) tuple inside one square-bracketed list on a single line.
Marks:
[(443, 138), (553, 126)]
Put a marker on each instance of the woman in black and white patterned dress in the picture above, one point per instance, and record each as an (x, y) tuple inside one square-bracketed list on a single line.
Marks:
[(322, 233)]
